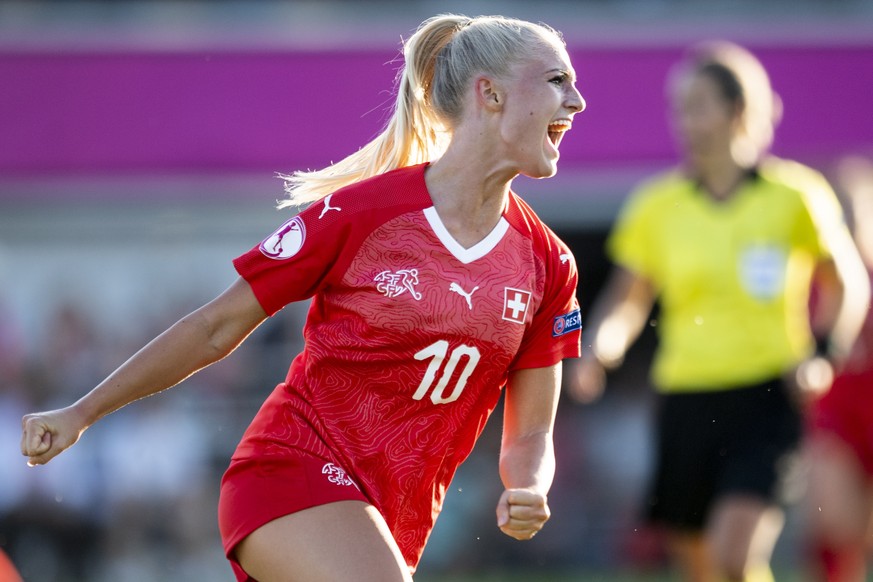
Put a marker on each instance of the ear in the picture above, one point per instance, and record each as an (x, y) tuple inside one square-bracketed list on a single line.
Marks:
[(489, 94)]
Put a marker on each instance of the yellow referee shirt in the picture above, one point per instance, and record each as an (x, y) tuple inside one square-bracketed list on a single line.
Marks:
[(732, 277)]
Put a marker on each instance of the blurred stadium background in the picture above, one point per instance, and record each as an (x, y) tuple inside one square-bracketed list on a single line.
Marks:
[(139, 143)]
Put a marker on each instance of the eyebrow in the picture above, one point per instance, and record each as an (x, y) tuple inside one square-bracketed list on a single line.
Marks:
[(569, 75)]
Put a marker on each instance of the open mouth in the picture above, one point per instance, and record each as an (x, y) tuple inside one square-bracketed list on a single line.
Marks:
[(557, 129)]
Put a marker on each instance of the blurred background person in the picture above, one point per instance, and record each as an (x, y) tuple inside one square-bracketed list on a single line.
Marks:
[(729, 243), (839, 500)]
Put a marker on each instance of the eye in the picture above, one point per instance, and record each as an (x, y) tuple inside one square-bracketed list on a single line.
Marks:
[(558, 79)]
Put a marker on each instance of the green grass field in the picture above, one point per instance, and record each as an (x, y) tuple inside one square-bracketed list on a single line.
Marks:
[(576, 577), (550, 577)]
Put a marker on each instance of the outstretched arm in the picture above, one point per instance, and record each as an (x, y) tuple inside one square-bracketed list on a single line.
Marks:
[(527, 455), (197, 340)]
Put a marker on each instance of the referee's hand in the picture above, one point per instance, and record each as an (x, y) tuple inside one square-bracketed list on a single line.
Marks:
[(811, 379), (584, 378)]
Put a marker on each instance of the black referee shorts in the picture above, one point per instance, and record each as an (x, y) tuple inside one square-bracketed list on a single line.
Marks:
[(711, 444)]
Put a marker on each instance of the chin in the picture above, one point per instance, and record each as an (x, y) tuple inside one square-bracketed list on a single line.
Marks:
[(544, 171), (544, 167)]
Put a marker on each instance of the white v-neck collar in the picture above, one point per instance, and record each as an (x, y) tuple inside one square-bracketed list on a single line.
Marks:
[(477, 251)]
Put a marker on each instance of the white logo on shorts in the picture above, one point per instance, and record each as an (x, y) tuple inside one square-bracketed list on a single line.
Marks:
[(337, 476)]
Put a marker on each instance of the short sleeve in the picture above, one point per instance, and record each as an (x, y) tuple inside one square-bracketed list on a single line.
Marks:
[(556, 330), (313, 250), (297, 259), (823, 222)]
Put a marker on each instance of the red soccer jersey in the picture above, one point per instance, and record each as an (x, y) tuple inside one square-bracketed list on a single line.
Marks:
[(409, 338), (847, 408)]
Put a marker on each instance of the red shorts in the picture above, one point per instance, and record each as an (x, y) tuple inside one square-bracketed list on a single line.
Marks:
[(846, 411), (255, 491)]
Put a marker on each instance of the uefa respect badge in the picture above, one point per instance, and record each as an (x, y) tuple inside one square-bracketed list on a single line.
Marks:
[(566, 323)]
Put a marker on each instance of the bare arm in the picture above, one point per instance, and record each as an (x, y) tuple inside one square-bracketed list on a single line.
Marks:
[(845, 290), (197, 340), (844, 295), (619, 315), (843, 282), (616, 320), (527, 456)]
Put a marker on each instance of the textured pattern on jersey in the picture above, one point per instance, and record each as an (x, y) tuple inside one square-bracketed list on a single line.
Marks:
[(407, 351)]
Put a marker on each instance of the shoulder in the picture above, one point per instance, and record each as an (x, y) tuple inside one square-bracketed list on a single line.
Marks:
[(790, 173), (400, 188), (362, 206), (552, 254), (350, 214), (800, 183), (795, 179), (524, 219)]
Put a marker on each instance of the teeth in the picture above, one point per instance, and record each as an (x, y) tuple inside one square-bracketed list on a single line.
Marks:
[(560, 125)]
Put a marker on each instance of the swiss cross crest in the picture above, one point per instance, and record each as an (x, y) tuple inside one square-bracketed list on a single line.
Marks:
[(515, 302)]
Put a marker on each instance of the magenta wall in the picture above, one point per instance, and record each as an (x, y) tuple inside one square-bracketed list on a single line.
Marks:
[(87, 113)]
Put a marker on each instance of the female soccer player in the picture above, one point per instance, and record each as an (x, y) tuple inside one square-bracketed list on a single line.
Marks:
[(433, 286), (839, 500), (729, 243)]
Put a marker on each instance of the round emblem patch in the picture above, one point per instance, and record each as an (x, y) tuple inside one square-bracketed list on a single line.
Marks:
[(286, 241)]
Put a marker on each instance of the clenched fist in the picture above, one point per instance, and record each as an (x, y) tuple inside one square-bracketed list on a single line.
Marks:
[(44, 435), (521, 513)]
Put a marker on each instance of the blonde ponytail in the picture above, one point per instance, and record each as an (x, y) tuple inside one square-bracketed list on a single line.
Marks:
[(413, 135), (439, 60)]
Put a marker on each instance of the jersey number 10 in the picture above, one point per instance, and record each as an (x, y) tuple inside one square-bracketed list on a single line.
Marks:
[(438, 352)]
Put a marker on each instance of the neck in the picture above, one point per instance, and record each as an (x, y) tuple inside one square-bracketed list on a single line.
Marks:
[(468, 198), (719, 176)]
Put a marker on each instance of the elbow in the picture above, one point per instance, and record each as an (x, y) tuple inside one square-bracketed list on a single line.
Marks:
[(220, 346), (208, 339)]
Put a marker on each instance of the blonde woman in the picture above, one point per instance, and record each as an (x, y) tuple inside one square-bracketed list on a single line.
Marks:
[(433, 287)]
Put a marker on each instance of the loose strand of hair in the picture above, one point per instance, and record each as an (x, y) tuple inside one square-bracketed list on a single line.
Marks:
[(413, 134), (387, 151)]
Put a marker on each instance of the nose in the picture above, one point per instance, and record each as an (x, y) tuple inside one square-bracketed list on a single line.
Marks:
[(575, 101)]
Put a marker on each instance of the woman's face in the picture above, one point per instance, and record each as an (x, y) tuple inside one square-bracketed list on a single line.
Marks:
[(704, 121), (540, 100)]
